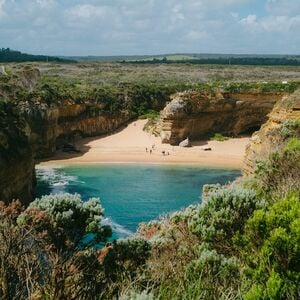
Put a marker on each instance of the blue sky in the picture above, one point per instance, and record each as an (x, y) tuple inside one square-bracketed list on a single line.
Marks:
[(114, 27)]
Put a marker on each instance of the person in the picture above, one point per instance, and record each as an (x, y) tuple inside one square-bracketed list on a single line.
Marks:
[(150, 151), (146, 149), (163, 152)]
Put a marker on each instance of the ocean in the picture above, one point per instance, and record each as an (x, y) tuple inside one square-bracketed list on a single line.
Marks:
[(131, 194)]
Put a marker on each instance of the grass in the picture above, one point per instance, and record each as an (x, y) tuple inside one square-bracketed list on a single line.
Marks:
[(219, 137), (150, 114)]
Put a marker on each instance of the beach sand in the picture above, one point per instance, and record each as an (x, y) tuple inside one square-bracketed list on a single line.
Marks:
[(129, 146)]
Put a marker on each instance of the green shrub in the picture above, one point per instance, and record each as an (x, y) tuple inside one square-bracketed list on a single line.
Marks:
[(279, 175), (136, 250), (219, 137), (290, 128), (210, 275), (223, 215), (149, 114), (66, 219), (292, 147), (271, 249)]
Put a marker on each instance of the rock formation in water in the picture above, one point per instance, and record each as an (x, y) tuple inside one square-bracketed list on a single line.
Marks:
[(197, 115), (283, 122)]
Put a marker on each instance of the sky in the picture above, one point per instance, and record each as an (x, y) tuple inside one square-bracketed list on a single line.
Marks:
[(131, 27)]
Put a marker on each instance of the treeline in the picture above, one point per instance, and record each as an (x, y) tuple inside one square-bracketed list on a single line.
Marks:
[(253, 61), (8, 55)]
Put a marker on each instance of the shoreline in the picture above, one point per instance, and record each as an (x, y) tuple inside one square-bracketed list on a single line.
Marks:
[(132, 146), (61, 164)]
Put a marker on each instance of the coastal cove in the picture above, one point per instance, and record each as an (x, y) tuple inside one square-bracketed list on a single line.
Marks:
[(132, 193)]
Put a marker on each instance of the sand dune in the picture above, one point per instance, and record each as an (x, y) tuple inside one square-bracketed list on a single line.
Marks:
[(129, 146)]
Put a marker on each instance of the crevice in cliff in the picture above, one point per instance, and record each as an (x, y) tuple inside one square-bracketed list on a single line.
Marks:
[(196, 115)]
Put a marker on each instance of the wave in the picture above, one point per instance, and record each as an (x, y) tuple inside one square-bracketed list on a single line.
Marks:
[(117, 229), (56, 178)]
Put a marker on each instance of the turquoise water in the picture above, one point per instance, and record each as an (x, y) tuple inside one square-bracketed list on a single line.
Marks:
[(131, 194)]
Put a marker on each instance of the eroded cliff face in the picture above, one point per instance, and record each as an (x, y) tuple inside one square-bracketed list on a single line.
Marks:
[(36, 130), (16, 159), (282, 123), (196, 115), (49, 127)]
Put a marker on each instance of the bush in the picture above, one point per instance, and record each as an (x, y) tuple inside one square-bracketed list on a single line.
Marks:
[(66, 219), (279, 175), (271, 249), (212, 276), (289, 128), (219, 137), (225, 213), (292, 147), (149, 114)]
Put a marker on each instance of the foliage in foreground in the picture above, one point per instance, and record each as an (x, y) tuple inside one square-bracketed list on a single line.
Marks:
[(272, 240), (42, 255), (67, 219), (241, 243)]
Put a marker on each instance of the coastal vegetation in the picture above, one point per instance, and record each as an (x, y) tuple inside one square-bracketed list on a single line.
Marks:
[(219, 137), (241, 242)]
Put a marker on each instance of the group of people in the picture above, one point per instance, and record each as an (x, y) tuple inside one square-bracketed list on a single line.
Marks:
[(153, 148)]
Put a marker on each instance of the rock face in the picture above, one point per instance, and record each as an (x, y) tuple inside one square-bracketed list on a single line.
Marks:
[(197, 115), (49, 127), (185, 143), (16, 159), (34, 130), (272, 135)]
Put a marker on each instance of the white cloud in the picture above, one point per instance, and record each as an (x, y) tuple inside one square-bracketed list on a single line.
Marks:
[(271, 24), (250, 20), (235, 15), (283, 7), (87, 11), (46, 4), (197, 35), (2, 12), (106, 27)]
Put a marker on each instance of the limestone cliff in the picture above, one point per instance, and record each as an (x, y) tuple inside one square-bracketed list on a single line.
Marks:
[(50, 126), (283, 122), (16, 159), (32, 127), (196, 114), (30, 131)]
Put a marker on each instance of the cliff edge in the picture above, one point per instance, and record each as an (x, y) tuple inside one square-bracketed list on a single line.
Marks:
[(283, 123)]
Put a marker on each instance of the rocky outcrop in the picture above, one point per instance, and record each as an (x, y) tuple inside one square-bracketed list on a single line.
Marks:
[(197, 115), (16, 159), (49, 127), (35, 130), (283, 123)]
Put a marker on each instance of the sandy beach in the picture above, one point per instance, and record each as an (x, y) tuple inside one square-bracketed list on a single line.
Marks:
[(129, 146)]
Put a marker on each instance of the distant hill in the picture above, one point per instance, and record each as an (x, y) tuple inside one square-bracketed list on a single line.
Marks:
[(196, 58), (221, 59), (8, 55)]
